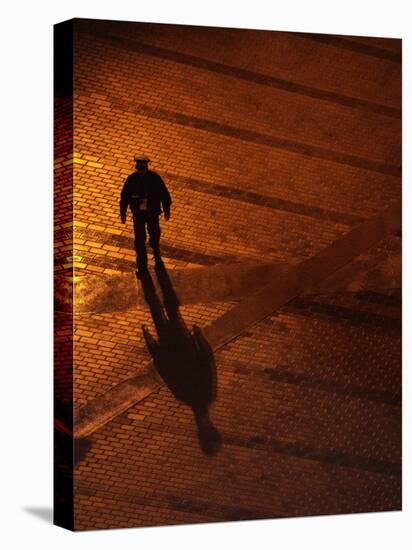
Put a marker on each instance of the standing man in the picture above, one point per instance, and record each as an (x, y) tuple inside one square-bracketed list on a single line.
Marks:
[(146, 194)]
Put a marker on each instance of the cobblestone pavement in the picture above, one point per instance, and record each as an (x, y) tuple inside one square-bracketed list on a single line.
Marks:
[(276, 147)]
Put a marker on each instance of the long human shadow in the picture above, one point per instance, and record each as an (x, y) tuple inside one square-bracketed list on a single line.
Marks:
[(184, 359)]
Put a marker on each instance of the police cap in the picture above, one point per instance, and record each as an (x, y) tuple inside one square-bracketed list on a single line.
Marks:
[(141, 158)]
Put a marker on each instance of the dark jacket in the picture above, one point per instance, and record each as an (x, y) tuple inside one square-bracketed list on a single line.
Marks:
[(149, 186)]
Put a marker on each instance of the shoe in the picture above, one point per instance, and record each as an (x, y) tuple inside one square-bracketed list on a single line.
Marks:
[(159, 264)]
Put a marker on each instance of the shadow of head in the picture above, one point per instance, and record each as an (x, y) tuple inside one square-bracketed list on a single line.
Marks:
[(183, 358)]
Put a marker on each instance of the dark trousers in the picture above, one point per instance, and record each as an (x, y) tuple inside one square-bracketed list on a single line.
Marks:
[(143, 221)]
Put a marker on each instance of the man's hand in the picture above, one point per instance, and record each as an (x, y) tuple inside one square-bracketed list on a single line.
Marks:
[(167, 217)]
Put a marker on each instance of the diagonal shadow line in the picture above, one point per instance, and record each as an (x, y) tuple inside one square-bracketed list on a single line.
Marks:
[(349, 43), (255, 76), (183, 359), (265, 300), (251, 136)]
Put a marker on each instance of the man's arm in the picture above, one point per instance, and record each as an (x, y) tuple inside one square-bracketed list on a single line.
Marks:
[(124, 201), (165, 198)]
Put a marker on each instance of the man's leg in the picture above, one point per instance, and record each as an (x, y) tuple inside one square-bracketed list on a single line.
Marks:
[(140, 243), (153, 228)]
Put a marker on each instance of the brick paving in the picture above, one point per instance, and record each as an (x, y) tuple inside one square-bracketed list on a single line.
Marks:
[(274, 146)]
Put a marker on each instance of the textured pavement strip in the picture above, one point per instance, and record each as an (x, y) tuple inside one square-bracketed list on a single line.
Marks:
[(303, 276), (254, 308), (294, 146), (260, 199), (98, 293), (352, 309), (200, 507), (364, 272), (252, 76), (172, 251), (102, 293)]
